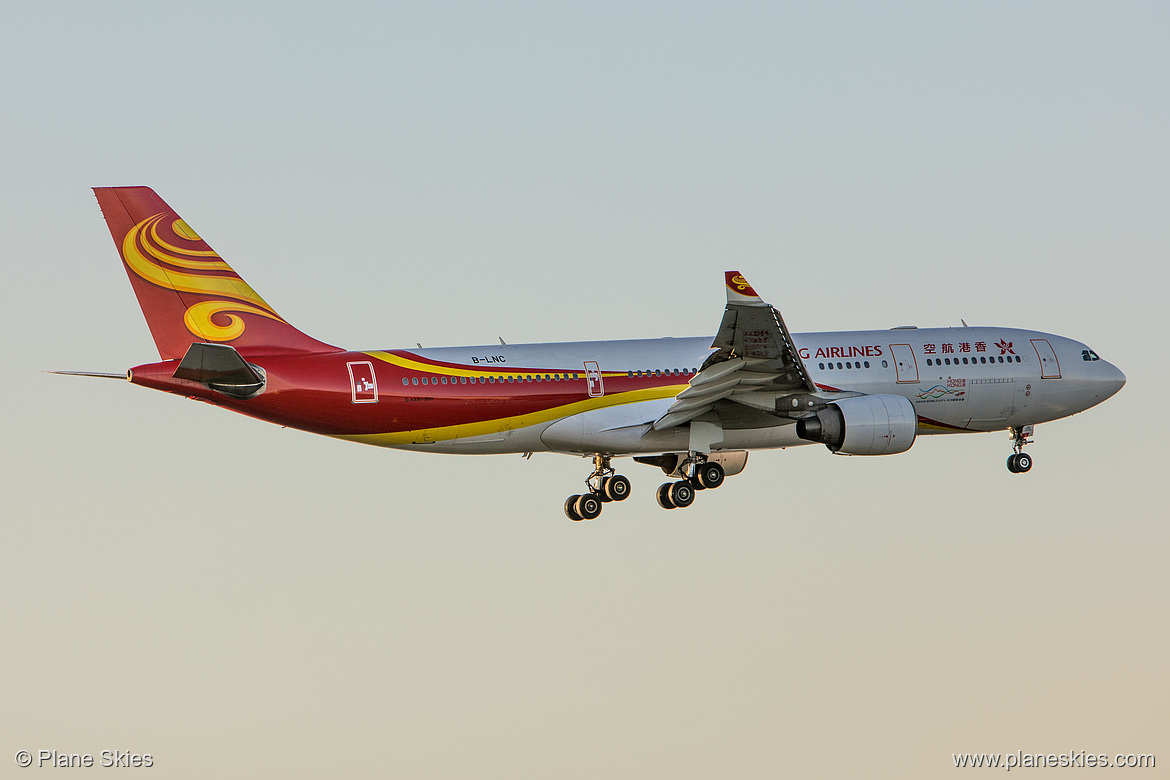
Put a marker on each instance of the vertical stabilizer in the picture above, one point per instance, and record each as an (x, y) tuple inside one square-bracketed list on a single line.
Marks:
[(187, 292)]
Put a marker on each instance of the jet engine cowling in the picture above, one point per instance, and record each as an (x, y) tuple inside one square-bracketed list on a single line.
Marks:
[(864, 425)]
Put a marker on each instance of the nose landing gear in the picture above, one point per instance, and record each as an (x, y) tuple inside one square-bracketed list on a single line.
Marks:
[(1020, 462), (604, 486)]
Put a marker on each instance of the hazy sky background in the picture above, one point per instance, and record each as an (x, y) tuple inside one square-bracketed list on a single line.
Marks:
[(240, 600)]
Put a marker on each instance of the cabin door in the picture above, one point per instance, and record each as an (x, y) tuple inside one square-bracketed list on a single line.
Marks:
[(905, 362)]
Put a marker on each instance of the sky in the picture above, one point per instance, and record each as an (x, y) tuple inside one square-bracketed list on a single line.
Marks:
[(242, 600)]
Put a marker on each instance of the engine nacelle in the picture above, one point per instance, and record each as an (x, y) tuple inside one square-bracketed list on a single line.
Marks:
[(865, 425)]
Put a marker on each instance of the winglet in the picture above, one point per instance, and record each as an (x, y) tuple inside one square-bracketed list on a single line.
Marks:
[(739, 291)]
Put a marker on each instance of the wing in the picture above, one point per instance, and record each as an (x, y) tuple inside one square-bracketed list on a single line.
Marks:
[(754, 376)]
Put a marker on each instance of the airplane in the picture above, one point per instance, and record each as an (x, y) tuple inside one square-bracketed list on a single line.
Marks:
[(693, 407)]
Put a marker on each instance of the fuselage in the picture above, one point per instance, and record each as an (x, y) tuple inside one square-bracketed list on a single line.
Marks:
[(602, 396)]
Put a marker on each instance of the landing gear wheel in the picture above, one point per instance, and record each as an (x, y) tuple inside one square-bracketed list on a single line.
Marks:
[(589, 506), (616, 488), (602, 493), (1020, 463), (571, 509), (664, 496), (710, 475), (681, 494)]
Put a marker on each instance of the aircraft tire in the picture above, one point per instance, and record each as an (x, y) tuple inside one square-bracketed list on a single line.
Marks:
[(711, 475), (1023, 463), (589, 506), (602, 492), (682, 494), (616, 488), (664, 496), (571, 509), (1011, 464)]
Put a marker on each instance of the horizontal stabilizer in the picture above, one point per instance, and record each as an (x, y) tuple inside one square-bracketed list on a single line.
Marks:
[(220, 367)]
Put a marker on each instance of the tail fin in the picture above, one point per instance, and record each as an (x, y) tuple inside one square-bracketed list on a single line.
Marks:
[(187, 292)]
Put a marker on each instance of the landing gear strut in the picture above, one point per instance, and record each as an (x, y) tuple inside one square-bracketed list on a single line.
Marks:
[(1020, 462), (604, 485), (699, 474)]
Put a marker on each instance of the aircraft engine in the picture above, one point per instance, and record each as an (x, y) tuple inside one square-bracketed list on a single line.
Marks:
[(865, 425)]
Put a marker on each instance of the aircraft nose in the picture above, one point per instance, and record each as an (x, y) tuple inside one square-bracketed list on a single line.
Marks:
[(1109, 380)]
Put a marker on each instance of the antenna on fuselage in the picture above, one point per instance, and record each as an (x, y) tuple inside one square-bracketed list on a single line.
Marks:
[(502, 342), (965, 325)]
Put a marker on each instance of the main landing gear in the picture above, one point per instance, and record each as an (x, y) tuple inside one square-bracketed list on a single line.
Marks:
[(604, 486), (698, 474), (1020, 462)]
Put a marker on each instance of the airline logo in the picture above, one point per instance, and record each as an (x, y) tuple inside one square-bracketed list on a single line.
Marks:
[(738, 284), (174, 257), (1005, 347)]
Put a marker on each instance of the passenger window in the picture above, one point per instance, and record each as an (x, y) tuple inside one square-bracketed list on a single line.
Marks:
[(885, 364), (867, 364), (848, 365), (414, 380), (830, 366), (405, 381), (822, 366), (838, 365)]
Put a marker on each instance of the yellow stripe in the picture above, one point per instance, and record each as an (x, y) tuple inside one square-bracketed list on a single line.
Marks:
[(944, 428), (503, 424), (190, 252), (430, 368), (229, 287)]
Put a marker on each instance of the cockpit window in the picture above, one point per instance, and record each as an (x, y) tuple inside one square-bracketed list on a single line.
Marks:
[(1089, 355)]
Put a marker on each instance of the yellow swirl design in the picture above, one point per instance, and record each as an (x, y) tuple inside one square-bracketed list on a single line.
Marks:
[(739, 282), (198, 320), (187, 271)]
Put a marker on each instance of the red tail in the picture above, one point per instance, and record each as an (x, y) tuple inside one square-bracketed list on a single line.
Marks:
[(187, 292)]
